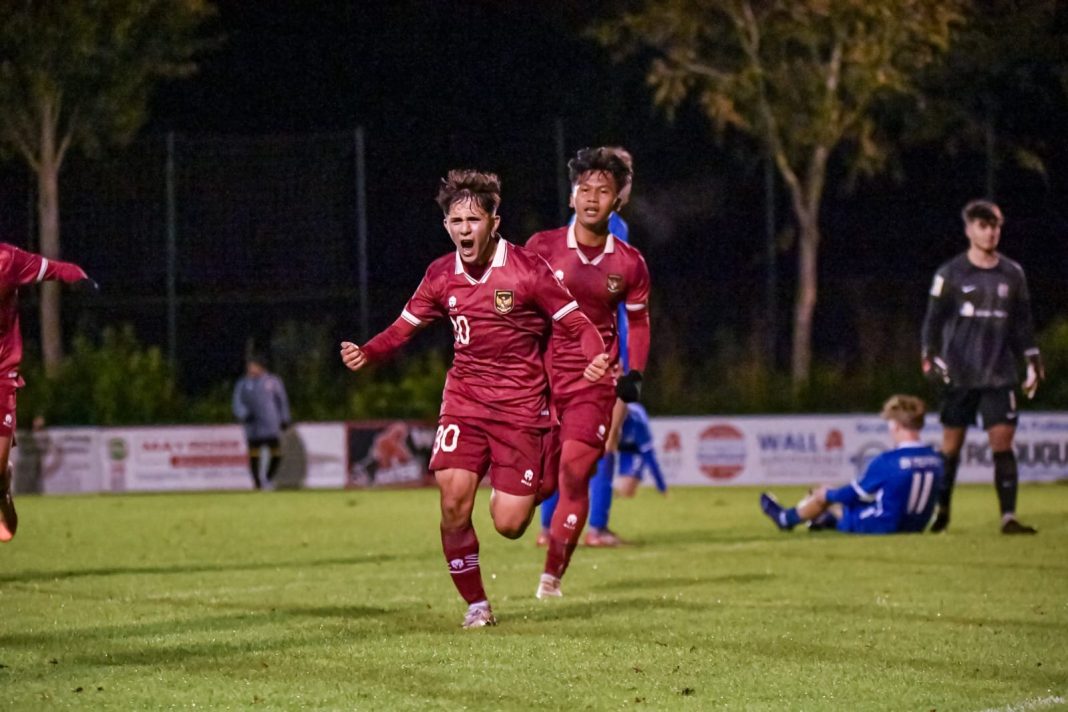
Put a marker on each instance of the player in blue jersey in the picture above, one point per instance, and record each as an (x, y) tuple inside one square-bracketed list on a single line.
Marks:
[(637, 454), (601, 483), (896, 493)]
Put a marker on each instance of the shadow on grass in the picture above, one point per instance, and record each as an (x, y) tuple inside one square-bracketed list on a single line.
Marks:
[(669, 583), (29, 576), (814, 652), (229, 626)]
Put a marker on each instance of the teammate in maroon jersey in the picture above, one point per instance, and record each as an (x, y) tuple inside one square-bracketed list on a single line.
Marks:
[(19, 268), (501, 300), (601, 272)]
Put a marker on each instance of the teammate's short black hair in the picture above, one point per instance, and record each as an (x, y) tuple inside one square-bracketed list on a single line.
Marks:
[(463, 184), (906, 411), (985, 210), (604, 158)]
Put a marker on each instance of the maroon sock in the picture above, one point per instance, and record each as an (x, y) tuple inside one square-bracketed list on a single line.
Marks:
[(461, 555), (576, 465)]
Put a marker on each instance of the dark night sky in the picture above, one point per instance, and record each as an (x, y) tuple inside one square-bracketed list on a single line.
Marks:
[(439, 84)]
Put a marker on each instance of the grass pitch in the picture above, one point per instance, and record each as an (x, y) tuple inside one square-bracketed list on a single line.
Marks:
[(341, 600)]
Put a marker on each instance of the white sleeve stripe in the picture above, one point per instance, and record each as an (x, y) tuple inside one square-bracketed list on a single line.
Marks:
[(860, 492), (44, 268), (410, 318), (636, 307), (565, 310)]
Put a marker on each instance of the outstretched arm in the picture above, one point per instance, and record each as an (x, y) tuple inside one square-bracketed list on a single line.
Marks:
[(24, 267), (381, 347)]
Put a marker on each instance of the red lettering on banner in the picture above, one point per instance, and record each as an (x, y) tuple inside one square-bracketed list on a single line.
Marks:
[(672, 443), (208, 461)]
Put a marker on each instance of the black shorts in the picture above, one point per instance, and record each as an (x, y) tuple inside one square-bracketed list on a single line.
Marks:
[(997, 406), (257, 443)]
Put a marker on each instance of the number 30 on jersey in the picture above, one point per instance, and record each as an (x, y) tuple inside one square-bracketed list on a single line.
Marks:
[(461, 329)]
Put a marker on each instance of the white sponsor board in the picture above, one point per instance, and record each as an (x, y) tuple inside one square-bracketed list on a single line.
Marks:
[(175, 458), (707, 450), (315, 457), (805, 450), (58, 461)]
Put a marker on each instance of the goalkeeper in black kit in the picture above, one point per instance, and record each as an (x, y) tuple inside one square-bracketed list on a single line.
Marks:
[(977, 330)]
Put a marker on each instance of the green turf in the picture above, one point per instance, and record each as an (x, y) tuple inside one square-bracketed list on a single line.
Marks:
[(341, 600)]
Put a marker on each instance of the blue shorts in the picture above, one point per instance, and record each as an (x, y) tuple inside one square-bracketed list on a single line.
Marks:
[(629, 464)]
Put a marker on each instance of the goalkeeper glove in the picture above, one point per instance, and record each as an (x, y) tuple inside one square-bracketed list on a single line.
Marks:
[(938, 372), (629, 387), (1035, 373)]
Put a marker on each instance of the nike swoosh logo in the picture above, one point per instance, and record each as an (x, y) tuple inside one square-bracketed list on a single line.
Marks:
[(968, 288)]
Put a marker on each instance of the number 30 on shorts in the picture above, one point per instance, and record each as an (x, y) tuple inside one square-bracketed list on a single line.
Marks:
[(446, 438)]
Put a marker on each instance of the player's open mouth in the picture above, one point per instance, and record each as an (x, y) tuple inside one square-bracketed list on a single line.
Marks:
[(467, 247)]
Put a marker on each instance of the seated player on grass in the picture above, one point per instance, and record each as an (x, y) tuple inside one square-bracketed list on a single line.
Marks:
[(895, 494)]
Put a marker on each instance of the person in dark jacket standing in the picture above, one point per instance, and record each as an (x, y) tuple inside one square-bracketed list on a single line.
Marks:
[(261, 405), (977, 330)]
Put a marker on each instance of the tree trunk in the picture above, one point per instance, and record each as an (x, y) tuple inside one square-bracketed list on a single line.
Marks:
[(48, 232), (807, 277)]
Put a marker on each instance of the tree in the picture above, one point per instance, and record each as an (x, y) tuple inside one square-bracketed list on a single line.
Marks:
[(1009, 54), (78, 73), (802, 77)]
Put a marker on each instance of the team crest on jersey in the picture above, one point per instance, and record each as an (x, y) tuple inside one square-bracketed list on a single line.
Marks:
[(1003, 290), (503, 300), (615, 283)]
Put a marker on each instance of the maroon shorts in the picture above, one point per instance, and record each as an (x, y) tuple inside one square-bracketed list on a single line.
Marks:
[(511, 454), (586, 415), (7, 410)]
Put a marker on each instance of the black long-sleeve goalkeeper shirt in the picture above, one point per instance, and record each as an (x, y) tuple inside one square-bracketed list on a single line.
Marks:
[(979, 321)]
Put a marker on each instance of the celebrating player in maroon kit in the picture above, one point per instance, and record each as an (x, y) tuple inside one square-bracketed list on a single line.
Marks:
[(601, 272), (19, 268), (501, 300)]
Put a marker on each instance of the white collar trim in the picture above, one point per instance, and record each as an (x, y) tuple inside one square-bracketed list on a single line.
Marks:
[(572, 243), (500, 257)]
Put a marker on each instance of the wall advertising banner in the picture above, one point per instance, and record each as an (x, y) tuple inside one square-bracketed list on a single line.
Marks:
[(175, 458), (314, 456), (389, 453), (806, 450), (709, 450), (58, 461)]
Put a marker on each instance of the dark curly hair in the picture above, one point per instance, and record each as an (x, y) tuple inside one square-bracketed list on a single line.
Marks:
[(604, 158), (463, 184)]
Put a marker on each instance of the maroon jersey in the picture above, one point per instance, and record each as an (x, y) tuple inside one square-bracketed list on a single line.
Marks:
[(499, 324), (19, 268), (599, 284)]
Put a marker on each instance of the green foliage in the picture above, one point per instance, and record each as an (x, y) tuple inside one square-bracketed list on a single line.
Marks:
[(411, 389), (1053, 342), (79, 72), (801, 76), (120, 382), (340, 601), (115, 382), (736, 379)]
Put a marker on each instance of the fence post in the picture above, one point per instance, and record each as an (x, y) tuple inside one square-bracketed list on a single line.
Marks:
[(361, 234), (172, 255), (563, 186)]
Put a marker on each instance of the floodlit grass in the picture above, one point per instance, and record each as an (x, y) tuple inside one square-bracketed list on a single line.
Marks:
[(341, 600)]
